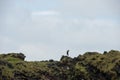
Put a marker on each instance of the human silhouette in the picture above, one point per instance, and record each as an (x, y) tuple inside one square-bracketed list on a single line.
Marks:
[(67, 52)]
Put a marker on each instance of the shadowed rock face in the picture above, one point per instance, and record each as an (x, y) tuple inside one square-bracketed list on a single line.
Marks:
[(89, 66)]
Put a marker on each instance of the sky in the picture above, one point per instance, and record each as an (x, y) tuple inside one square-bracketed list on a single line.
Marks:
[(46, 29)]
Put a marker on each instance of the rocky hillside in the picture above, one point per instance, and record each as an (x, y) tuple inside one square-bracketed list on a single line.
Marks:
[(90, 66)]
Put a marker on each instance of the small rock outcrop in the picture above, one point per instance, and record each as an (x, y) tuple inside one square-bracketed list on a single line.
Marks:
[(17, 55)]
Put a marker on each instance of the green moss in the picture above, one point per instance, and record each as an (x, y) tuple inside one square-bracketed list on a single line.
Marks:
[(81, 68), (89, 66)]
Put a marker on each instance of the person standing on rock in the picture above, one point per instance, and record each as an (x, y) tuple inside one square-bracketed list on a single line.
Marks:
[(67, 52)]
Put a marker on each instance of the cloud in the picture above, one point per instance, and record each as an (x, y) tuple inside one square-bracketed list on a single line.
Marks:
[(41, 51), (92, 8), (45, 13), (76, 25)]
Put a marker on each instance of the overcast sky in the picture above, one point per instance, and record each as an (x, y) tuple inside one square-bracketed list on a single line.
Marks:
[(46, 29)]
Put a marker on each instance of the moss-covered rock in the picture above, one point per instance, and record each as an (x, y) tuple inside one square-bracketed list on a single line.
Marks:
[(89, 66)]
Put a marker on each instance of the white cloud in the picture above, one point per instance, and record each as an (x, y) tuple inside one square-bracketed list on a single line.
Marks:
[(34, 52), (91, 8), (41, 51), (45, 36), (49, 33), (45, 13)]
